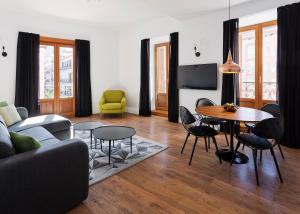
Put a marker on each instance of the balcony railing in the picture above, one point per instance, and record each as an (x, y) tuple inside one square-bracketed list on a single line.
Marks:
[(248, 90), (269, 90)]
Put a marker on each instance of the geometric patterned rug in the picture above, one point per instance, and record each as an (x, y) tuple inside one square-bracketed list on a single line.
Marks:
[(121, 158)]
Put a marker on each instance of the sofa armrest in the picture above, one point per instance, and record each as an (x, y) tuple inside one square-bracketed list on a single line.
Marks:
[(23, 112), (101, 102), (51, 179)]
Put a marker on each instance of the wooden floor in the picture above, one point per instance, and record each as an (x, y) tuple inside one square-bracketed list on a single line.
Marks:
[(165, 183)]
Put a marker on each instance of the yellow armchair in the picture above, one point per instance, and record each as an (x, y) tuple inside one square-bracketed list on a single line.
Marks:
[(112, 102)]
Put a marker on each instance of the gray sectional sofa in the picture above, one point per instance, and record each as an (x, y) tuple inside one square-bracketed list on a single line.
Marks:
[(51, 179)]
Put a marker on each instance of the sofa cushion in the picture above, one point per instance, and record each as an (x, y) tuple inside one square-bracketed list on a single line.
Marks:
[(111, 106), (53, 123), (6, 146), (49, 142), (24, 143), (39, 133), (10, 115)]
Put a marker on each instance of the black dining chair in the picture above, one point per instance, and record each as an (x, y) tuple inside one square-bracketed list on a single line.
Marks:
[(271, 108), (191, 125), (259, 138), (274, 110), (211, 121)]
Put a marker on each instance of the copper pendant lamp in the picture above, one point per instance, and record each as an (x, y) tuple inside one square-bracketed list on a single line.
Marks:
[(230, 67)]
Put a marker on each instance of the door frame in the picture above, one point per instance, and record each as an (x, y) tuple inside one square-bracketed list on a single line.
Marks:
[(57, 43), (258, 101), (156, 46)]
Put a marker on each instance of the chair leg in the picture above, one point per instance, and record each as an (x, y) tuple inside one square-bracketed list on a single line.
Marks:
[(254, 152), (208, 142), (226, 138), (243, 146), (191, 158), (279, 146), (235, 151), (216, 145), (276, 164), (205, 141), (260, 157), (187, 137)]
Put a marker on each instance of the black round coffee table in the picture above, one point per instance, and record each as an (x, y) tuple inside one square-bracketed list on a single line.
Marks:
[(112, 133), (87, 126)]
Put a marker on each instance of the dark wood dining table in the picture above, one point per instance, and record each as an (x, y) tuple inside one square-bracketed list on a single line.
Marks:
[(242, 114)]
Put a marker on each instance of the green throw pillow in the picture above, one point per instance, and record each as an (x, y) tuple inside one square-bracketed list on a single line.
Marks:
[(3, 104), (23, 143)]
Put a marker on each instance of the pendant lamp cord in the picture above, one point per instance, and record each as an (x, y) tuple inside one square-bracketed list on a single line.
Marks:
[(229, 25)]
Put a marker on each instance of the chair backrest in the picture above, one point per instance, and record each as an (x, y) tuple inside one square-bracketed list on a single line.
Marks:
[(273, 109), (269, 128), (113, 96), (204, 102), (186, 116)]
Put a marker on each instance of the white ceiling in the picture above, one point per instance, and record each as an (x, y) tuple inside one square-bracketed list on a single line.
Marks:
[(118, 12)]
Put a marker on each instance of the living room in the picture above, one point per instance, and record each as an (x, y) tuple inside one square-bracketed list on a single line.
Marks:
[(129, 106)]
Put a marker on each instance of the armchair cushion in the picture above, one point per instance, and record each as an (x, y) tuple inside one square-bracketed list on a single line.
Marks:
[(113, 96), (112, 102), (111, 106)]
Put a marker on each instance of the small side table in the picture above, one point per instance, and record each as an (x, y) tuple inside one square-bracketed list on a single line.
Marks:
[(87, 126), (112, 133)]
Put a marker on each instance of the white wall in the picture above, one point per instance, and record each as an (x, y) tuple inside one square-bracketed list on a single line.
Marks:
[(206, 31), (130, 42), (104, 49)]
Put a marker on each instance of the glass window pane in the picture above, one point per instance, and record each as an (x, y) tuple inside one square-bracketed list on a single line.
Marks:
[(247, 62), (162, 70), (269, 62), (46, 72), (66, 71)]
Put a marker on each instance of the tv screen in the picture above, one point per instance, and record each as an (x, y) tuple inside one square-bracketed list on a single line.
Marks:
[(203, 76)]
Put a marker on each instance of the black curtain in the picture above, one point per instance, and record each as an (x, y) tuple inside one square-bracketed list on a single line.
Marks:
[(145, 102), (83, 93), (230, 86), (288, 70), (27, 72), (173, 97)]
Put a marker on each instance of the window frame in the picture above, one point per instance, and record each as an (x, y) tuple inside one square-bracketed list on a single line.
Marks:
[(258, 101), (54, 105)]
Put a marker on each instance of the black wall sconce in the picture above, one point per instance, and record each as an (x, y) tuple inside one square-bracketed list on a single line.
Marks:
[(4, 53), (197, 53)]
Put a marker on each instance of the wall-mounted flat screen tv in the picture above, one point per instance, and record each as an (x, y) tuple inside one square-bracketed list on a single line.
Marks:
[(202, 76)]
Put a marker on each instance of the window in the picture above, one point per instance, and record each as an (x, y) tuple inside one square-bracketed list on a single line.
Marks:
[(257, 57), (46, 72), (66, 71), (161, 76), (56, 89)]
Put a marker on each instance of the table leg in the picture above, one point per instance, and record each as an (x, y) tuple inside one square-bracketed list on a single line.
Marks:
[(227, 154), (231, 127), (91, 135), (109, 151), (131, 144), (73, 133)]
